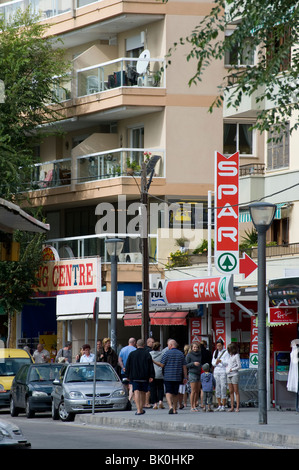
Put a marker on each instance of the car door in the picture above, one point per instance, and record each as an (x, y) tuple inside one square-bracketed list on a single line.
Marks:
[(20, 381)]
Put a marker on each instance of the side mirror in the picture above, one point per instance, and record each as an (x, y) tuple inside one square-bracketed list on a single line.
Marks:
[(56, 382)]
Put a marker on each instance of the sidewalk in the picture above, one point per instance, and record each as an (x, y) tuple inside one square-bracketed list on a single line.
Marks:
[(281, 431)]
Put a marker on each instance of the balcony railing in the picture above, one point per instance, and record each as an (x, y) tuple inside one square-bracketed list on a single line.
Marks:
[(116, 162), (97, 166), (94, 245), (117, 73), (51, 174), (46, 8), (289, 249), (252, 169)]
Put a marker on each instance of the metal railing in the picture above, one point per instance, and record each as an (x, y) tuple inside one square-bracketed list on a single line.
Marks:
[(289, 249), (117, 73), (94, 245), (51, 174), (252, 169), (46, 8)]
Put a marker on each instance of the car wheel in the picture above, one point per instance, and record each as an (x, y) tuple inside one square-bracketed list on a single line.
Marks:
[(14, 411), (29, 412), (63, 414), (55, 414)]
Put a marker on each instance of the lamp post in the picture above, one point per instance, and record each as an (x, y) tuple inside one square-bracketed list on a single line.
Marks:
[(262, 215), (114, 247)]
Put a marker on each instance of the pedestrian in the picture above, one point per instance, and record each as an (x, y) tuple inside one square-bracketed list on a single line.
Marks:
[(206, 358), (140, 370), (87, 356), (174, 366), (149, 347), (78, 356), (219, 362), (157, 385), (99, 346), (193, 363), (107, 354), (65, 353), (41, 355), (122, 360), (208, 384), (232, 370)]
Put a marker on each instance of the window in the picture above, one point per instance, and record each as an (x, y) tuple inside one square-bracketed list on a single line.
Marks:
[(278, 150), (238, 137), (239, 55)]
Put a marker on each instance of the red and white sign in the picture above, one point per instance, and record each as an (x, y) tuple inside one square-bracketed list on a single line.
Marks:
[(283, 314), (197, 291), (219, 329), (69, 277), (195, 329), (227, 213), (253, 356)]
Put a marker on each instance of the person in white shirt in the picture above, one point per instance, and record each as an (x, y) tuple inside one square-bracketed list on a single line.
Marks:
[(41, 355), (87, 356), (219, 362), (232, 370)]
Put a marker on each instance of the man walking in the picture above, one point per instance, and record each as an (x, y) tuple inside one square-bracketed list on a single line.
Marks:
[(140, 370), (122, 360), (174, 365), (65, 354)]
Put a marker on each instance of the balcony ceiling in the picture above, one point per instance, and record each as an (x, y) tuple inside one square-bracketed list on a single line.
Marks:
[(109, 116), (107, 29)]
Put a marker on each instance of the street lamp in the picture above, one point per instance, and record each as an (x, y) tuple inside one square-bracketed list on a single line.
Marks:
[(114, 247), (262, 215)]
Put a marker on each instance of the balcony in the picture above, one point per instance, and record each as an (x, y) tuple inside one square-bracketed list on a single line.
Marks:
[(46, 8), (117, 73), (114, 163), (94, 245)]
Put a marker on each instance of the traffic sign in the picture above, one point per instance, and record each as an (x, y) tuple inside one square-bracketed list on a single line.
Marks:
[(227, 213)]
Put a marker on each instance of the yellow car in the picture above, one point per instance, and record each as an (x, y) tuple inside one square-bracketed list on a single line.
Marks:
[(10, 362)]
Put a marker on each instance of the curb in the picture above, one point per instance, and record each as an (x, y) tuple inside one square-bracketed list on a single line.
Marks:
[(227, 433)]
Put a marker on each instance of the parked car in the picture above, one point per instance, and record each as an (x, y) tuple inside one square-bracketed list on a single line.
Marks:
[(31, 388), (12, 436), (73, 391), (10, 362)]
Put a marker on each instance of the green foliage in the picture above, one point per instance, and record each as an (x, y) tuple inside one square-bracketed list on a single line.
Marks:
[(248, 241), (272, 24), (203, 247), (30, 67), (178, 259)]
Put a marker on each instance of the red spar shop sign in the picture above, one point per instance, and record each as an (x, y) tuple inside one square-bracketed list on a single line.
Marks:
[(227, 213), (197, 291)]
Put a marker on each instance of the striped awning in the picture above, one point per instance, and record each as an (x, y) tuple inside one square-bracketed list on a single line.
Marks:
[(244, 215), (157, 318)]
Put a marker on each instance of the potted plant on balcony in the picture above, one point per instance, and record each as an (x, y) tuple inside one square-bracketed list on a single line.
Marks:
[(132, 167)]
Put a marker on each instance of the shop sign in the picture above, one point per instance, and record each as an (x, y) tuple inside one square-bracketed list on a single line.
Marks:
[(195, 329), (227, 213), (283, 315), (284, 291), (253, 356), (197, 291), (219, 329), (156, 298), (68, 276)]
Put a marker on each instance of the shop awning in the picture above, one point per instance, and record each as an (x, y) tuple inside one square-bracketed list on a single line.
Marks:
[(244, 215), (157, 318)]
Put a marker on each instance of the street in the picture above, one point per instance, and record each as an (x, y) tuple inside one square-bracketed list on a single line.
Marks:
[(44, 433)]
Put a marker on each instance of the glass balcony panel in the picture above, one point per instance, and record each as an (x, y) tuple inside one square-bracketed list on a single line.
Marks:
[(94, 245), (46, 8), (51, 174), (119, 73)]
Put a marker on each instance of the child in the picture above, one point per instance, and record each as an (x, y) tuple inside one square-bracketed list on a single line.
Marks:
[(208, 384)]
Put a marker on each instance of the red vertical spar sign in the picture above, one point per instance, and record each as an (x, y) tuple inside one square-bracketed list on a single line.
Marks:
[(227, 213)]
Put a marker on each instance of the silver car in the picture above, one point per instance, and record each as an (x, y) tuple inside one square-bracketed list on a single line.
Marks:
[(73, 390), (11, 435)]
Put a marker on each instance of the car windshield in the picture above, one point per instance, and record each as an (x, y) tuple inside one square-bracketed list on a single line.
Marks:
[(85, 373), (46, 372), (9, 366)]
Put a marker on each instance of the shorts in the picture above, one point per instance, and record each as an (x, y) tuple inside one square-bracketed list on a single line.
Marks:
[(172, 387), (193, 378), (233, 379), (140, 386)]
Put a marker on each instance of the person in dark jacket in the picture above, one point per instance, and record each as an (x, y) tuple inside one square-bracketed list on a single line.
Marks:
[(140, 371), (107, 354)]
